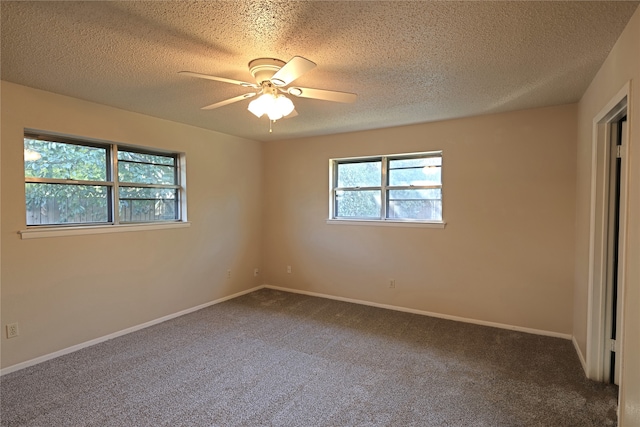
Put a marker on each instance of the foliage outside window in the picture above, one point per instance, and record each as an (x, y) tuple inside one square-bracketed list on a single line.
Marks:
[(403, 187), (69, 182)]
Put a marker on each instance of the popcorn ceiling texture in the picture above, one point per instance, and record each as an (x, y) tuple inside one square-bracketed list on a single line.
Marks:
[(409, 62)]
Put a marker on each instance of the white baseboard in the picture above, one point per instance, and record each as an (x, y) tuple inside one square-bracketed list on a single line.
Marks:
[(89, 343), (427, 313), (95, 341), (583, 362)]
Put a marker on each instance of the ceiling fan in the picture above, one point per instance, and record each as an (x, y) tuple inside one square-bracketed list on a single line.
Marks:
[(272, 79)]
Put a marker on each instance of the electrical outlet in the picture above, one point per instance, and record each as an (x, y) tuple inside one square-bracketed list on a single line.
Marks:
[(392, 283), (289, 269), (256, 272), (228, 274), (12, 330)]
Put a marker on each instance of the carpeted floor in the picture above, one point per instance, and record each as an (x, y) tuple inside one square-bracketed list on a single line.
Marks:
[(273, 358)]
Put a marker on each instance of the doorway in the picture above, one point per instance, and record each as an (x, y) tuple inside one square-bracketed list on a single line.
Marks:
[(607, 240), (614, 275)]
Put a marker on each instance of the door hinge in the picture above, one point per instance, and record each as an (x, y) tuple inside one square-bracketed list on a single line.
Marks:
[(619, 151), (612, 344)]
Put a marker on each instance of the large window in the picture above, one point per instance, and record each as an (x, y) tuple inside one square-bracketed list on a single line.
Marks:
[(75, 182), (403, 187)]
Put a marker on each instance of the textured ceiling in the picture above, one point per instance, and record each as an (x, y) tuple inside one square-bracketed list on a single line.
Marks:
[(409, 62)]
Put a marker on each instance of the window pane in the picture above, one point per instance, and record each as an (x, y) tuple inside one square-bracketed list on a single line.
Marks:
[(146, 158), (138, 204), (424, 171), (66, 204), (58, 160), (425, 204), (145, 173), (415, 162), (361, 174), (358, 204)]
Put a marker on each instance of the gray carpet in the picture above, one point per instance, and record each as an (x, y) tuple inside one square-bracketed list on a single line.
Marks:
[(273, 358)]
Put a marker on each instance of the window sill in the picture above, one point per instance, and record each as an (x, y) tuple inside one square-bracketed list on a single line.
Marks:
[(39, 233), (388, 223)]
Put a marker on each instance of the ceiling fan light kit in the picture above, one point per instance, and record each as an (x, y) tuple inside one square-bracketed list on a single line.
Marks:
[(274, 106), (272, 75)]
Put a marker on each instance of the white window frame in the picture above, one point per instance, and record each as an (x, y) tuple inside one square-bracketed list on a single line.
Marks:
[(384, 188), (114, 224)]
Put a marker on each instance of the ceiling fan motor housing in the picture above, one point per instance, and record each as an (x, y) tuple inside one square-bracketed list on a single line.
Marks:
[(262, 69)]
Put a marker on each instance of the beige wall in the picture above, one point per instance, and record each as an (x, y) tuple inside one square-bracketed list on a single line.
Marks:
[(506, 254), (621, 66), (514, 251), (67, 290)]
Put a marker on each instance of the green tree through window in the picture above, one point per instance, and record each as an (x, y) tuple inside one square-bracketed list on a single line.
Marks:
[(73, 182), (398, 187)]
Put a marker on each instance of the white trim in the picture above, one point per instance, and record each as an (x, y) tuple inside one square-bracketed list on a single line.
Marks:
[(596, 306), (50, 356), (426, 313), (38, 233), (580, 355), (386, 223), (596, 296), (95, 341)]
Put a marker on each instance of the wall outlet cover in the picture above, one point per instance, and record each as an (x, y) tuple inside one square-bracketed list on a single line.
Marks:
[(12, 330)]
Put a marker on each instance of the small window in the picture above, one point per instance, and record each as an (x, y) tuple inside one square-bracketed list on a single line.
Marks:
[(72, 182), (148, 189), (403, 187)]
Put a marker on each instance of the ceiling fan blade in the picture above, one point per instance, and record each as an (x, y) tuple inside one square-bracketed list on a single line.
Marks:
[(326, 95), (218, 79), (293, 69), (229, 101), (291, 114)]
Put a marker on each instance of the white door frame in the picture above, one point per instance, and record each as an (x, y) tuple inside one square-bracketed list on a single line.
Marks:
[(598, 228)]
